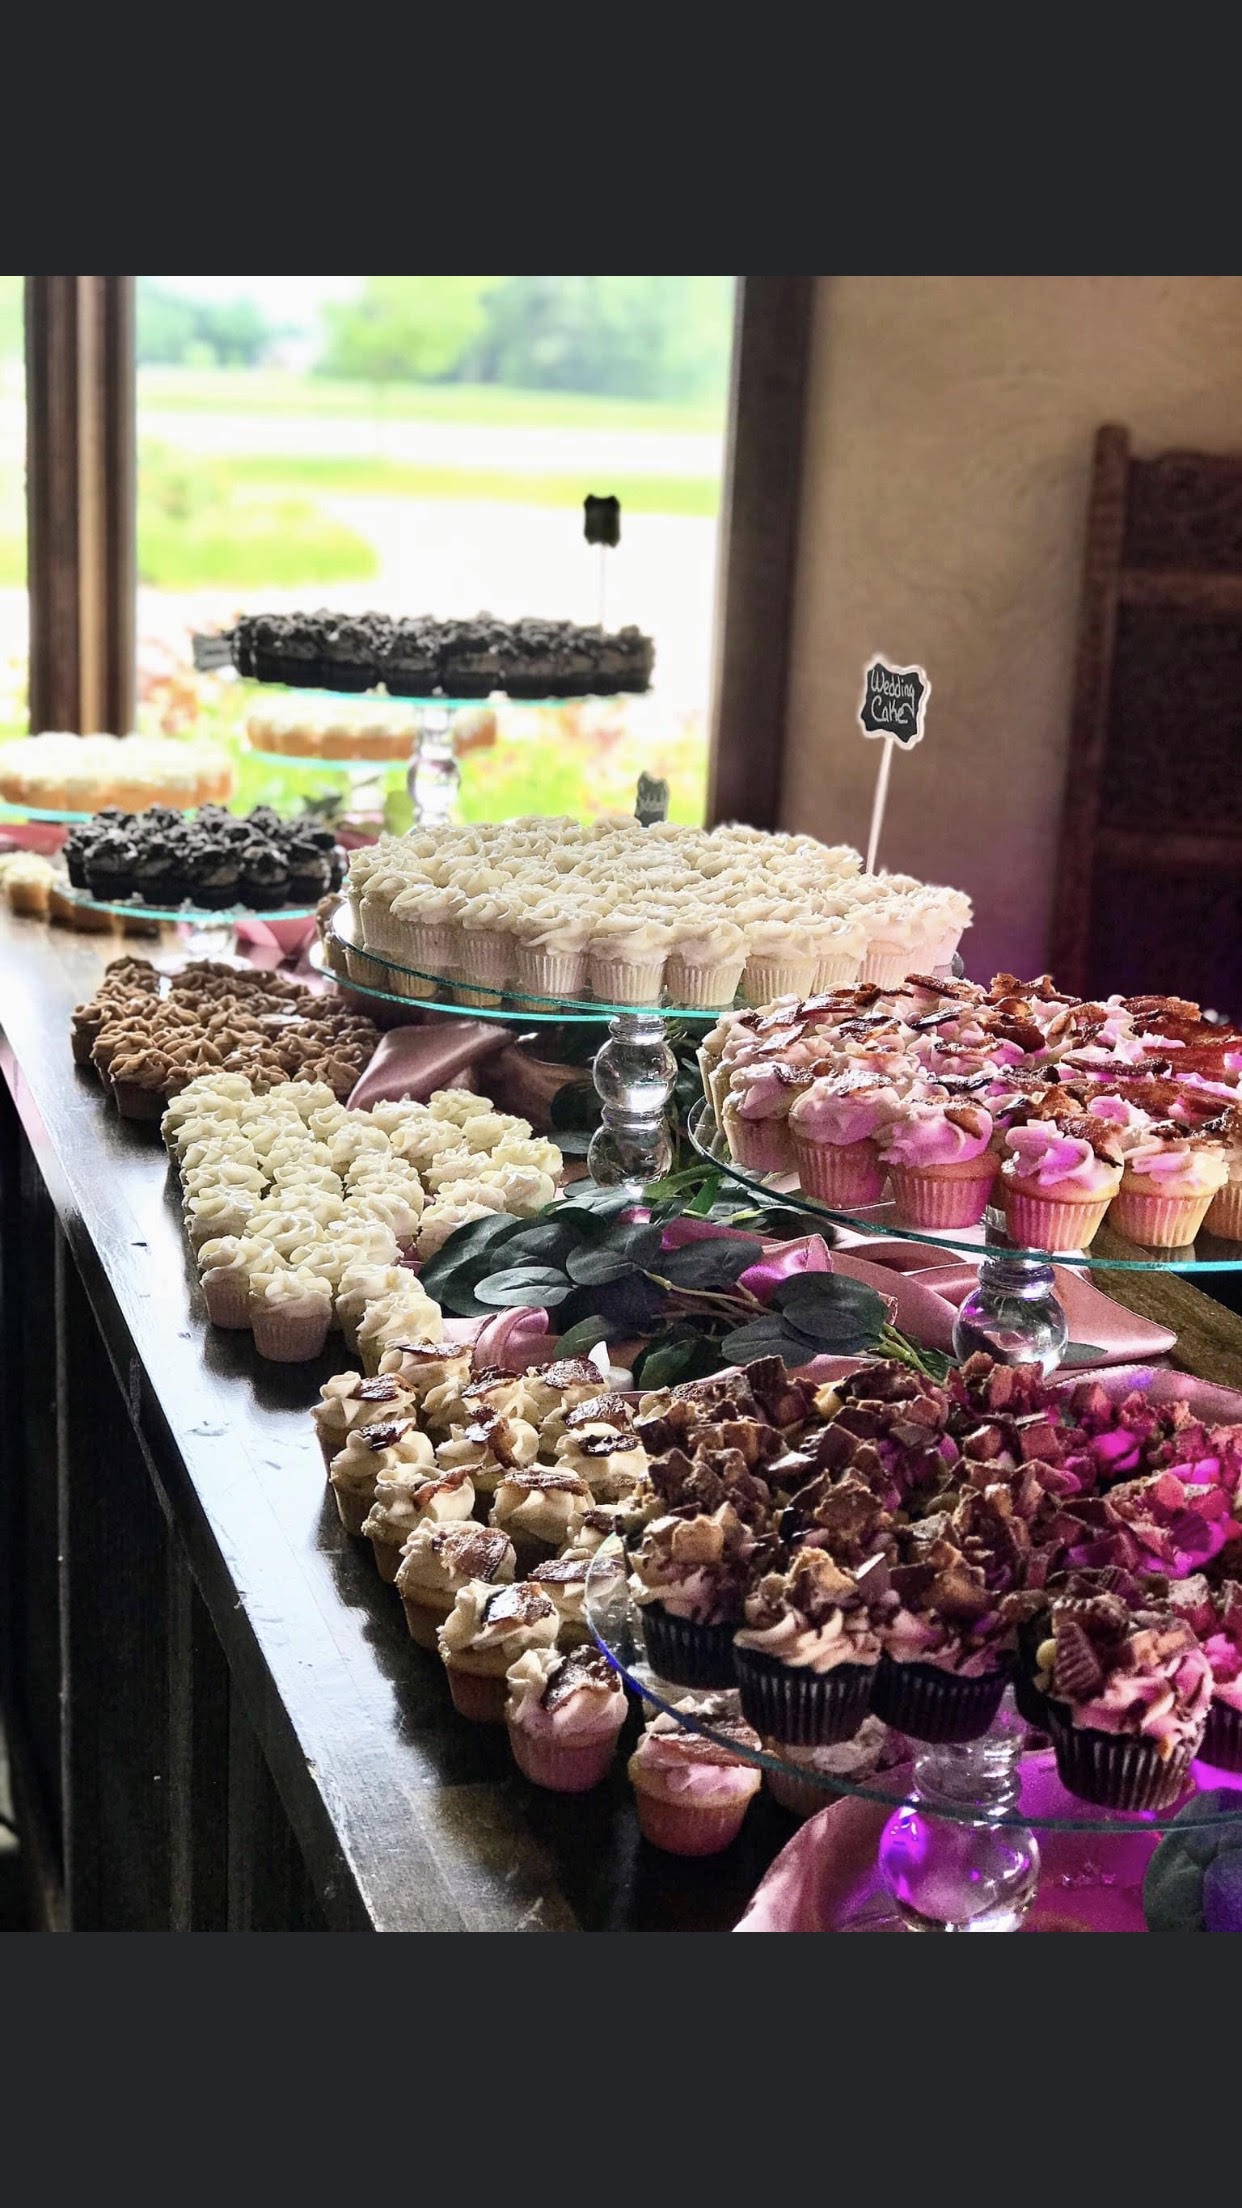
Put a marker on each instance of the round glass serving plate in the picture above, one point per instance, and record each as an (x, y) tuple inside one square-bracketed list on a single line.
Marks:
[(198, 915), (365, 770), (1108, 1252), (375, 973), (13, 811), (615, 1623), (441, 699)]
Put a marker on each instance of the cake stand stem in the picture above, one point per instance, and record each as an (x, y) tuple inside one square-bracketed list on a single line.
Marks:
[(634, 1074), (433, 778), (1013, 1313), (950, 1873)]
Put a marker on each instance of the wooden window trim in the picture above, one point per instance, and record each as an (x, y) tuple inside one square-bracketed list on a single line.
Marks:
[(81, 501), (757, 563)]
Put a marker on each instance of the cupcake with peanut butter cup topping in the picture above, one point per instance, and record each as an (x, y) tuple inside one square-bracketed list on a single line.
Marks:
[(806, 1656), (438, 1560), (564, 1710), (689, 1579), (486, 1631), (1128, 1695)]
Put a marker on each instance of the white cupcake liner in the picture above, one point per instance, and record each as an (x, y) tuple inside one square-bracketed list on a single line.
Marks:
[(226, 1293), (837, 970), (551, 973), (289, 1337), (889, 969), (706, 988), (625, 981), (766, 978)]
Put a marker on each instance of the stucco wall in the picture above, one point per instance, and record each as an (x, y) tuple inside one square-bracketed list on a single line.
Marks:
[(948, 449)]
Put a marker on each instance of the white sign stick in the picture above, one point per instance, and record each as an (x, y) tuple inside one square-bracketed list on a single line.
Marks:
[(878, 803)]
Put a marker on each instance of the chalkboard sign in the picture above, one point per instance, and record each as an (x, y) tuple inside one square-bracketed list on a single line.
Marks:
[(602, 520), (894, 701)]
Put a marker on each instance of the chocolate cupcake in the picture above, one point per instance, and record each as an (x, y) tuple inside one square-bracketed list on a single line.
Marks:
[(348, 653), (264, 876), (947, 1640), (310, 872), (109, 867), (407, 659), (157, 869), (214, 874), (807, 1654), (1128, 1698), (79, 844), (473, 657), (689, 1581)]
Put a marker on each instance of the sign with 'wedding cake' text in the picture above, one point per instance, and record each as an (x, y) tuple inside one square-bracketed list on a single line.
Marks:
[(894, 701)]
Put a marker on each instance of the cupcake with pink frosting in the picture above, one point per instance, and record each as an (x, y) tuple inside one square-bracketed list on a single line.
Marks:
[(1128, 1694), (756, 1114), (836, 1126), (564, 1711), (1166, 1189), (940, 1162), (1057, 1186), (1215, 1615), (692, 1792)]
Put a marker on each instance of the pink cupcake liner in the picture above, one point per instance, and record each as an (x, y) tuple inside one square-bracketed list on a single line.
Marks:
[(1041, 1223), (289, 1339), (844, 1174), (943, 1197), (762, 1145), (563, 1770), (227, 1297), (685, 1828), (1159, 1222)]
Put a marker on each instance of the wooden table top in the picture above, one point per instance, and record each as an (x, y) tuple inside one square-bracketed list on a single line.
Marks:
[(410, 1818)]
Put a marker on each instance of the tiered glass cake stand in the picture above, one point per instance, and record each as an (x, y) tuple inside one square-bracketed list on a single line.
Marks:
[(202, 932), (966, 1837), (1014, 1313), (634, 1071)]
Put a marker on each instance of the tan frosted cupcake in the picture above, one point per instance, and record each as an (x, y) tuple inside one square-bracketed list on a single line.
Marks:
[(376, 1446), (408, 1496), (437, 1561), (349, 1400), (564, 1713), (486, 1631), (1167, 1189), (758, 1105)]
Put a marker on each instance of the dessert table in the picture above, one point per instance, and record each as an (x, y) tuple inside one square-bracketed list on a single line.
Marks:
[(216, 1718)]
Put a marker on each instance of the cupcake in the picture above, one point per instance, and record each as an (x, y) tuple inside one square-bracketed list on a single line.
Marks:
[(1167, 1188), (692, 1792), (1129, 1693), (780, 961), (290, 1315), (806, 1656), (833, 1771), (1057, 1186), (626, 959), (564, 1710), (940, 1163), (550, 955), (1214, 1614), (485, 1632), (539, 1507), (348, 1400), (836, 1126), (563, 1579), (705, 962), (438, 1560), (224, 1277), (689, 1580), (946, 1637), (408, 1496), (371, 1447), (758, 1104)]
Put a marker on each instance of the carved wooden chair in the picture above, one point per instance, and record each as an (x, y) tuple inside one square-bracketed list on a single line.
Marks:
[(1149, 878)]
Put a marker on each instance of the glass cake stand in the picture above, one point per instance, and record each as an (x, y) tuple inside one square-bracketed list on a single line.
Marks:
[(961, 1847), (634, 1071), (1014, 1313), (203, 933), (54, 815)]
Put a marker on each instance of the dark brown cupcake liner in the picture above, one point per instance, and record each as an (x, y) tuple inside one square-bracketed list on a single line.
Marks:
[(1031, 1701), (1222, 1737), (931, 1704), (1115, 1770), (688, 1655), (802, 1708)]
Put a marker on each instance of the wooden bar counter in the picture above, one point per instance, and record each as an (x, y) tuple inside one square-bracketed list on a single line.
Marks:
[(216, 1718)]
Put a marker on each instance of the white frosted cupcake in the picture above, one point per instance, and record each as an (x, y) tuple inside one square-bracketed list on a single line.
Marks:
[(364, 1284), (705, 962), (901, 937), (550, 953), (291, 1315), (840, 943), (626, 959), (424, 934), (485, 952), (224, 1277), (780, 961)]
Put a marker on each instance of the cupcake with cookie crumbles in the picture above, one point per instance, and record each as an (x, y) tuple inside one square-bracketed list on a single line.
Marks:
[(485, 1632), (349, 1400), (806, 1656), (692, 1792), (1127, 1697), (689, 1579), (437, 1561), (539, 1506), (564, 1710)]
